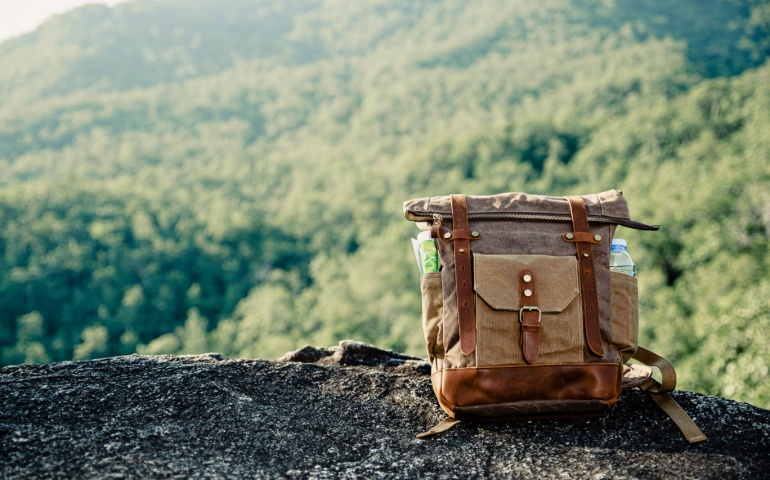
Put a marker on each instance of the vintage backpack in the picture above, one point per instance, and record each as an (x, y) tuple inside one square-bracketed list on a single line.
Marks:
[(525, 320)]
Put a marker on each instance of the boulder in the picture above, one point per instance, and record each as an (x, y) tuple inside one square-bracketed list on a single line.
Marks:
[(343, 412)]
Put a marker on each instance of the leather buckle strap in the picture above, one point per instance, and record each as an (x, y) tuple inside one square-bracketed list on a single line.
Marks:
[(530, 309), (464, 283), (530, 317), (579, 214)]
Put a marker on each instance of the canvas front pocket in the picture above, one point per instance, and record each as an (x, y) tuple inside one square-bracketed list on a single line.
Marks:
[(432, 322), (498, 304)]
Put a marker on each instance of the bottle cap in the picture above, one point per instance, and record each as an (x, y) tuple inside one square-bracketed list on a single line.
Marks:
[(424, 235), (619, 241)]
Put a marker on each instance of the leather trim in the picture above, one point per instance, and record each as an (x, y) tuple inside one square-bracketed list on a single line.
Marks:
[(436, 380), (529, 317), (466, 387), (574, 237), (535, 410), (588, 289), (464, 283), (460, 234)]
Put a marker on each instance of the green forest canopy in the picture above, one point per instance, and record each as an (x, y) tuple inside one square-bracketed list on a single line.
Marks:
[(229, 177)]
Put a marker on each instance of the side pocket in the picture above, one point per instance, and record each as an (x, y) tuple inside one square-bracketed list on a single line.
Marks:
[(625, 314), (432, 320)]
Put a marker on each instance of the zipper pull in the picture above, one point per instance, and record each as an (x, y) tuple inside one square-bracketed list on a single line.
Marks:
[(435, 229)]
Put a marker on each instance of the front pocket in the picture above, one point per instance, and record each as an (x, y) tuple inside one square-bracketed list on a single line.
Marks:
[(497, 296)]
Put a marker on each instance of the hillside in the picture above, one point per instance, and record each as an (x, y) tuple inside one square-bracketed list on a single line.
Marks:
[(229, 177)]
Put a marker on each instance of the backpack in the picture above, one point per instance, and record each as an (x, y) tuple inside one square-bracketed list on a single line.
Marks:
[(525, 320)]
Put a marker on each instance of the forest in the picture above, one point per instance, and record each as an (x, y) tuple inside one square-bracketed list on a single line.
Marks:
[(228, 176)]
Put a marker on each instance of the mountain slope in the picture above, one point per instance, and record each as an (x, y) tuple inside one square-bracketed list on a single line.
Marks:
[(229, 177)]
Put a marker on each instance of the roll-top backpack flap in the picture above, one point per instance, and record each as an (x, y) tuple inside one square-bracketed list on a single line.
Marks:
[(553, 282), (607, 207)]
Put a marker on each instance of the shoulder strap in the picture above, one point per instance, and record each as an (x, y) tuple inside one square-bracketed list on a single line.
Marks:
[(658, 391), (462, 255), (579, 214)]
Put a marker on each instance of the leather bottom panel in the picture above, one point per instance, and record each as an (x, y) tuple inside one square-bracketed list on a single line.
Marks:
[(535, 410), (531, 391)]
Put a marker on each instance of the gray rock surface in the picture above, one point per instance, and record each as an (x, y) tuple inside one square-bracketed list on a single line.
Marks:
[(343, 412)]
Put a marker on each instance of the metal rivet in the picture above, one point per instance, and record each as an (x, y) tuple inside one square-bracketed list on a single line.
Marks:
[(598, 238), (569, 236), (447, 235), (474, 234), (527, 293), (527, 278), (462, 250), (585, 255)]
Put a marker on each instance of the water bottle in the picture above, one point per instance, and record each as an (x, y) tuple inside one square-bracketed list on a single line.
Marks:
[(426, 253), (620, 260)]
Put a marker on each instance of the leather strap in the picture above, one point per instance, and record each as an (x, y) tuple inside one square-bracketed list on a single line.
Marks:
[(462, 256), (574, 237), (577, 208), (529, 317), (686, 425), (658, 391), (458, 234), (667, 372), (440, 427)]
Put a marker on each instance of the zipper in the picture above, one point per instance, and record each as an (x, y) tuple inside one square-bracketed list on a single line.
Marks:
[(422, 216)]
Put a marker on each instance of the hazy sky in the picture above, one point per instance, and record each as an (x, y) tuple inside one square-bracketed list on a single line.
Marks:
[(21, 16)]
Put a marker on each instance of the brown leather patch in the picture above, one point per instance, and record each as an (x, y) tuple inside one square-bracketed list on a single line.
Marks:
[(534, 410), (466, 387)]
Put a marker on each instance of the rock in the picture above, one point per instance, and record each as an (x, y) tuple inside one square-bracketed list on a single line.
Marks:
[(350, 353), (344, 412)]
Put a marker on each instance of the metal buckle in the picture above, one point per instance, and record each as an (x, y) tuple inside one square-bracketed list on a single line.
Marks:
[(530, 309)]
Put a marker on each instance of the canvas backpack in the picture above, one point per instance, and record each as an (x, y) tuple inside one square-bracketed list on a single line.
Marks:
[(525, 320)]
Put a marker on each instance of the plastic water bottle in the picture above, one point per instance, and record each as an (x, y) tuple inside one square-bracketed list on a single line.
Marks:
[(620, 260)]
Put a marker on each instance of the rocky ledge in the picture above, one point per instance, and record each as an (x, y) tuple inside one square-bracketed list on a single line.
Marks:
[(343, 412)]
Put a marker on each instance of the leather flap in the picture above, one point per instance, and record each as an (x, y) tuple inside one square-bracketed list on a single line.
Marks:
[(496, 280)]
